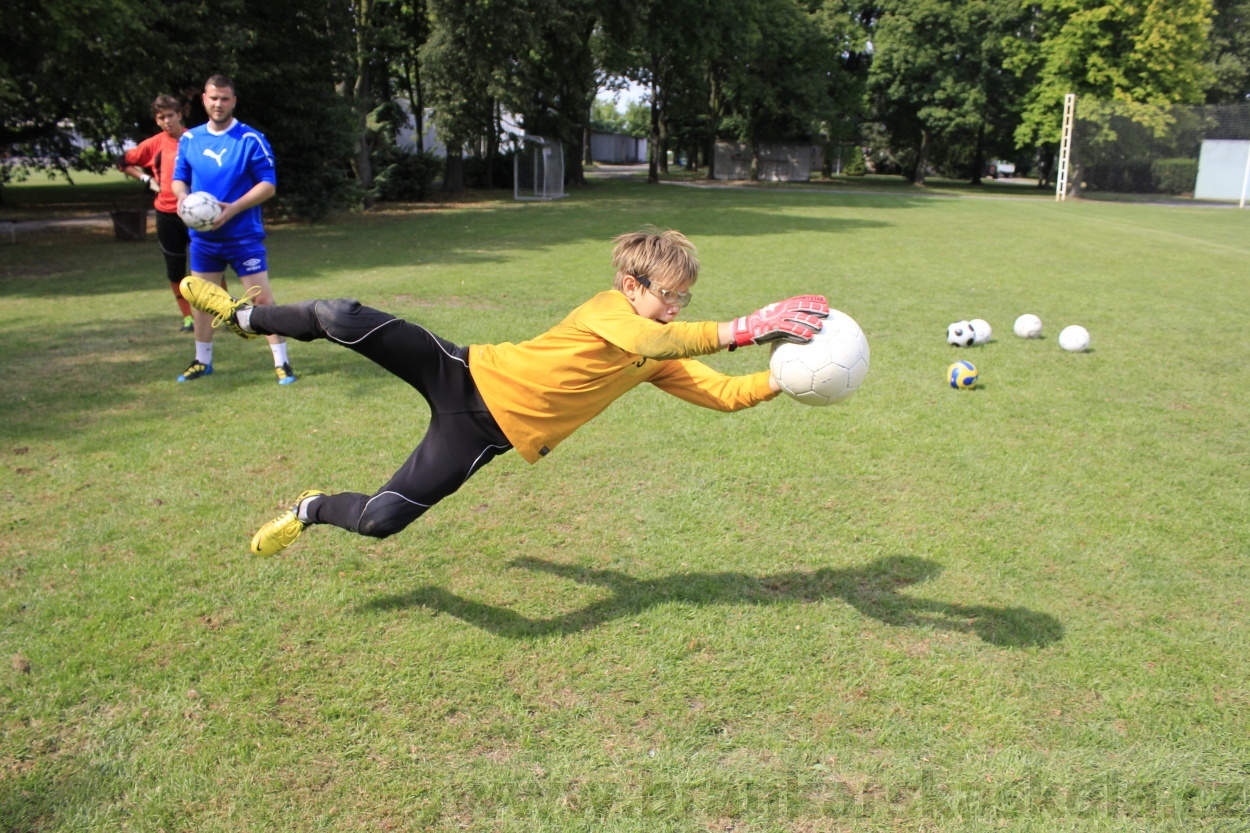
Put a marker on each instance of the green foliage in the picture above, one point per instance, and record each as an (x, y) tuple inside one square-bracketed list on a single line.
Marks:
[(98, 65), (635, 121), (1174, 176), (1228, 56), (286, 89), (853, 164), (489, 172), (405, 175), (779, 92), (1142, 55), (92, 68), (938, 83)]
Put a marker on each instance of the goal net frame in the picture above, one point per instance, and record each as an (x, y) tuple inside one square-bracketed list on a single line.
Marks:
[(538, 169)]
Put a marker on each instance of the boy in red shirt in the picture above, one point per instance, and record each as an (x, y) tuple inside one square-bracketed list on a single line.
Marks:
[(152, 163), (485, 399)]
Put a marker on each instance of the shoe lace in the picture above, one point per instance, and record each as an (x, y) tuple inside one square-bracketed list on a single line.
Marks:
[(224, 317)]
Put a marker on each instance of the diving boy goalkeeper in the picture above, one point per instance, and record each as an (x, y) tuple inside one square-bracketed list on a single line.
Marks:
[(485, 399)]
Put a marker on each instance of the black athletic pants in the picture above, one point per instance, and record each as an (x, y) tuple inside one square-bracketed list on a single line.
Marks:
[(171, 234), (462, 437)]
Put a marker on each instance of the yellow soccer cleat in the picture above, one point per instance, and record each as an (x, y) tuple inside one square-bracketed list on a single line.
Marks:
[(281, 532), (209, 297)]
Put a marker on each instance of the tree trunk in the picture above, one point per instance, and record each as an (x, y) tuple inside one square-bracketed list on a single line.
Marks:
[(1046, 166), (576, 158), (653, 166), (922, 158), (412, 80), (713, 114), (588, 158), (978, 156), (362, 98), (453, 173), (755, 160), (663, 135)]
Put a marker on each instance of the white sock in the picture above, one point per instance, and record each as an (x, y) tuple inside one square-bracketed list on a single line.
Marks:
[(301, 511), (204, 352), (244, 316), (279, 354)]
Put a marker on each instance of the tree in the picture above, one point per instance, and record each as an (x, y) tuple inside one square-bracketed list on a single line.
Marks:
[(846, 27), (91, 68), (556, 81), (77, 77), (781, 91), (472, 51), (938, 80), (658, 46), (1228, 56), (294, 52), (1144, 56)]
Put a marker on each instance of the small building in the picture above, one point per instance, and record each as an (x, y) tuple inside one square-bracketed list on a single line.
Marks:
[(778, 161), (617, 148)]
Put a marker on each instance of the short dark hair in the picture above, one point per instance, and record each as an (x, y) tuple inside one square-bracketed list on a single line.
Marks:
[(166, 102), (220, 80)]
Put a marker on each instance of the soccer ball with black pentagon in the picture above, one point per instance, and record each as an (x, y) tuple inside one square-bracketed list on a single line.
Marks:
[(961, 334), (199, 211), (829, 368)]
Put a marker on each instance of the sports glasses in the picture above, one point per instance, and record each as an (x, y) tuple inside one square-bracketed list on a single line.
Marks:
[(666, 296)]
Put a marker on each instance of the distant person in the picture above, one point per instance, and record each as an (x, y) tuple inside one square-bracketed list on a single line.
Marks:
[(232, 162), (152, 163), (486, 399)]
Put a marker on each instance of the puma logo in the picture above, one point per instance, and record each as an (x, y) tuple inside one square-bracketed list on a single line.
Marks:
[(216, 156)]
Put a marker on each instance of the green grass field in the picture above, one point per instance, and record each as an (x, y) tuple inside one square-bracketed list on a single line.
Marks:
[(1022, 607)]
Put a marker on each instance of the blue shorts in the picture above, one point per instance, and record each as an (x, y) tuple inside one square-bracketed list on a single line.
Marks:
[(245, 257)]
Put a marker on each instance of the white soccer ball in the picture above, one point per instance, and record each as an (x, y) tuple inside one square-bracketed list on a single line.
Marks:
[(1028, 326), (1074, 339), (199, 211), (981, 330), (829, 368), (960, 334)]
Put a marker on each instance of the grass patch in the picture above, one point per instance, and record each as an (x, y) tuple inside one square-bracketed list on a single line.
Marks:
[(42, 198), (1021, 607)]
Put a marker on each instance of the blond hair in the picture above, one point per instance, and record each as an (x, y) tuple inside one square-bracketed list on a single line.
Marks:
[(664, 256)]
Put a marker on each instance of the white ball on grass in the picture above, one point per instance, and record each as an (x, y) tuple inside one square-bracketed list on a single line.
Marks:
[(960, 334), (981, 330), (1074, 339), (1028, 326)]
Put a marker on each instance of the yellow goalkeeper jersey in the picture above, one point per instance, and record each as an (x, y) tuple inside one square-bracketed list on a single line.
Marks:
[(542, 390)]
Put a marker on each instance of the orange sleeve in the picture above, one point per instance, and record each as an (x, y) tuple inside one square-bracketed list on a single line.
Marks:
[(142, 154)]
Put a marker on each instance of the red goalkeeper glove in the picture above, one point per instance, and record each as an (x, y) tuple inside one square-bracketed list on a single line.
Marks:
[(795, 319)]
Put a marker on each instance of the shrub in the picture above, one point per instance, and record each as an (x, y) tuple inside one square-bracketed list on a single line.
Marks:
[(1174, 176), (500, 169), (405, 176), (853, 164)]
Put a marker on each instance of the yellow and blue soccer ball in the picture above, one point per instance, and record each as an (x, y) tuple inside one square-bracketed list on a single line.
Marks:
[(961, 375)]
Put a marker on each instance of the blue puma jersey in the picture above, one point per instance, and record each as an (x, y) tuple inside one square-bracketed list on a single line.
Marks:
[(227, 165)]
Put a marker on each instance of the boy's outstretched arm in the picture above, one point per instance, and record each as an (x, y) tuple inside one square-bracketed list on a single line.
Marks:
[(795, 319)]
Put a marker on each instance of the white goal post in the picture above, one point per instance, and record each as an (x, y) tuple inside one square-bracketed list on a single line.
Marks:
[(538, 169)]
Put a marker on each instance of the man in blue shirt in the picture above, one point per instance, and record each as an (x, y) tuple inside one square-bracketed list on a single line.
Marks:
[(234, 163)]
